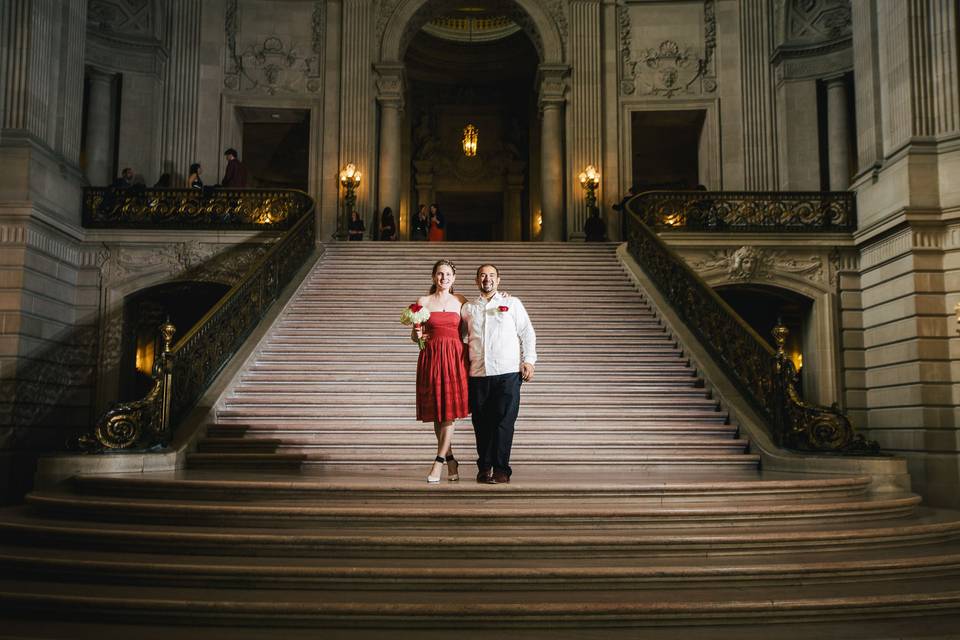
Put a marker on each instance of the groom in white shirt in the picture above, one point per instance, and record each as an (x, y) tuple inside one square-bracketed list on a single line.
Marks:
[(503, 351)]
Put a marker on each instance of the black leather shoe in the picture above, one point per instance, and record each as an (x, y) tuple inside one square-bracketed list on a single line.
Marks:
[(483, 477), (499, 477)]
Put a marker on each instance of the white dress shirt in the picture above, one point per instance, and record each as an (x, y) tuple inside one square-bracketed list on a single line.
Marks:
[(498, 340)]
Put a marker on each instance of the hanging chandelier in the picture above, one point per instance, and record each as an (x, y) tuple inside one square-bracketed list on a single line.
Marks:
[(470, 140)]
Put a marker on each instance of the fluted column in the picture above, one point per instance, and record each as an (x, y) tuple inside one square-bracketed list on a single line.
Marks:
[(357, 99), (552, 99), (866, 71), (181, 82), (100, 128), (586, 104), (330, 185), (838, 135), (390, 99), (759, 144)]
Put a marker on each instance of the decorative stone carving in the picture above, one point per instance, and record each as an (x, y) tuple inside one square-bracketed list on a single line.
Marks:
[(669, 68), (272, 65), (558, 11), (384, 11), (130, 17), (817, 21), (757, 263)]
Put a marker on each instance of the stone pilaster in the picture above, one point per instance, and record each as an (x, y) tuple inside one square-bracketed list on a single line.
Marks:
[(838, 134), (390, 98), (330, 185), (553, 88), (181, 81), (357, 99), (512, 201), (759, 144), (610, 178), (866, 70), (100, 127), (586, 106)]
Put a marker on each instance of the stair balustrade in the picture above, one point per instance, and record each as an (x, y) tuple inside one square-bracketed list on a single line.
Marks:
[(753, 211), (765, 376), (184, 370)]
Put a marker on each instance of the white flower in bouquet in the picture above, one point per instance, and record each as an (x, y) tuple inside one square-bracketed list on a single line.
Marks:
[(415, 315)]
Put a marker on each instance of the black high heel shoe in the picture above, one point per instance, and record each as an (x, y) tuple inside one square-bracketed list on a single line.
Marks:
[(431, 479), (453, 468)]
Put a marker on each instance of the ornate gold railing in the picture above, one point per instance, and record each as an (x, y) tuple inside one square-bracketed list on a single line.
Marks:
[(139, 208), (184, 370), (765, 376), (779, 211)]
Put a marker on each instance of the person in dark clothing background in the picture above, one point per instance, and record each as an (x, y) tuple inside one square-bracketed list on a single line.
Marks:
[(388, 226), (235, 175)]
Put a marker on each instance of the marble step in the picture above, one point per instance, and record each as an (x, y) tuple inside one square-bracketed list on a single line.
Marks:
[(696, 399), (286, 411), (144, 569), (410, 515), (347, 430), (574, 460), (927, 527), (388, 483)]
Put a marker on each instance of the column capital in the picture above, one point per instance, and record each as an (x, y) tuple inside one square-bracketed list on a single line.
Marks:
[(391, 84), (552, 79)]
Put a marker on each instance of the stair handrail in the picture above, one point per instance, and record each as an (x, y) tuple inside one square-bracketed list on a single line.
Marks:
[(183, 371), (751, 211), (766, 376)]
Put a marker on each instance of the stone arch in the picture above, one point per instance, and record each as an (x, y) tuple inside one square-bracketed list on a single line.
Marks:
[(410, 15)]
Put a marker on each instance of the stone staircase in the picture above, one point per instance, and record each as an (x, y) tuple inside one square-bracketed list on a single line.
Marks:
[(636, 509), (333, 381)]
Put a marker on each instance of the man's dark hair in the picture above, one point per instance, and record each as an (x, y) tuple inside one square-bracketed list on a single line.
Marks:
[(230, 152), (487, 264)]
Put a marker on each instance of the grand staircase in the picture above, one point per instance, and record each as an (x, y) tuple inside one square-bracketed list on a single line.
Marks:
[(637, 509)]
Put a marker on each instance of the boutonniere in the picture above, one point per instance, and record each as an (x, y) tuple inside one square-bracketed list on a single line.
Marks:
[(503, 309)]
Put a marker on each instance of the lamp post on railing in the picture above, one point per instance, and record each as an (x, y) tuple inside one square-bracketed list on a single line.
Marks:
[(350, 179)]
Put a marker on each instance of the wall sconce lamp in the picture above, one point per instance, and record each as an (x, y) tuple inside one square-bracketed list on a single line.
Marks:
[(590, 180), (470, 140), (350, 180)]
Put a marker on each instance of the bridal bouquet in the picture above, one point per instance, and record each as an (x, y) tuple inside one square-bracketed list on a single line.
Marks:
[(415, 315)]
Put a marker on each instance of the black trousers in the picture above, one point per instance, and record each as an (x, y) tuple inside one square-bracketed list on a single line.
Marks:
[(494, 405)]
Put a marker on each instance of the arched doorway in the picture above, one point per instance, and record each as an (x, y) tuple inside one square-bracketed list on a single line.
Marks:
[(407, 32), (472, 70), (763, 306)]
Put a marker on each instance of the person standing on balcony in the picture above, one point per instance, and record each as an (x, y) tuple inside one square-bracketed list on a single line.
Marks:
[(194, 181), (503, 351), (235, 175)]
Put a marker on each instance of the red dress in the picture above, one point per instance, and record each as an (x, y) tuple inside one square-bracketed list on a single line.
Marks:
[(442, 371)]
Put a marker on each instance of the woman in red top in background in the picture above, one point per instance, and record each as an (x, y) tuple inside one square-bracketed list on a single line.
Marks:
[(442, 368), (437, 225)]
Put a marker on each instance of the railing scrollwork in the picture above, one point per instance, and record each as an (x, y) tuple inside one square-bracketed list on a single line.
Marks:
[(184, 370), (756, 211), (766, 377)]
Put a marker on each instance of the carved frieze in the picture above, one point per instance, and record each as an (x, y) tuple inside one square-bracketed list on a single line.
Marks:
[(272, 64), (748, 263), (816, 21)]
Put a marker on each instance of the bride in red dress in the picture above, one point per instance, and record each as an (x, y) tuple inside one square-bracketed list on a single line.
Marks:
[(442, 368)]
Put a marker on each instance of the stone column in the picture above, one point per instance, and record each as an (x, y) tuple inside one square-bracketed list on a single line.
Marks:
[(390, 98), (181, 86), (609, 171), (512, 207), (760, 143), (329, 207), (586, 106), (100, 128), (357, 105), (837, 134), (552, 98)]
